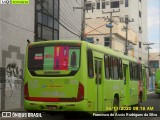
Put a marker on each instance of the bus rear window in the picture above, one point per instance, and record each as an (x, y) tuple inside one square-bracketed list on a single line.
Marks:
[(54, 58)]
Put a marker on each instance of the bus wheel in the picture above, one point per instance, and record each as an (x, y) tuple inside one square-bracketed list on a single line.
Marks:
[(115, 108), (140, 97)]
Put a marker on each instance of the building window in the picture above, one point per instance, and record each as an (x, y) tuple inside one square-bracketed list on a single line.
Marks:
[(140, 14), (47, 15), (115, 4), (140, 28), (126, 3), (154, 64), (140, 44), (107, 41), (47, 33), (90, 39), (98, 5), (103, 5), (88, 6)]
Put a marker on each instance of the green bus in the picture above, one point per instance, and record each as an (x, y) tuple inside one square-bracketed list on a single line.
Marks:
[(72, 75), (157, 82)]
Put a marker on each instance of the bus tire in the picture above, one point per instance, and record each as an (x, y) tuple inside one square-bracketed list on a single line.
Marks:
[(115, 108), (140, 97)]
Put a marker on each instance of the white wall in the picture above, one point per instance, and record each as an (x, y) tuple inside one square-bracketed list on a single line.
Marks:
[(144, 28), (16, 26)]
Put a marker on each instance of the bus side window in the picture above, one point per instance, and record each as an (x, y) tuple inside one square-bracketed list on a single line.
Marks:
[(135, 72), (120, 72), (131, 70), (107, 66), (98, 67), (124, 71), (90, 63), (111, 68), (115, 68)]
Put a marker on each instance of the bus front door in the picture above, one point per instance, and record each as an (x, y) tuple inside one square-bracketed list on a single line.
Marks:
[(98, 84)]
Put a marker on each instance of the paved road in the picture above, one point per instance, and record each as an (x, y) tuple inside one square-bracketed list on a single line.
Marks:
[(153, 101)]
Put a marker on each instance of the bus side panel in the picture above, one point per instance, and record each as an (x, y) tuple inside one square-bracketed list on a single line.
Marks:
[(134, 92), (144, 90), (157, 83)]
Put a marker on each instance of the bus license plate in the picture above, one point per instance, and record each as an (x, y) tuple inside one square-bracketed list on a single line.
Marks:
[(51, 107)]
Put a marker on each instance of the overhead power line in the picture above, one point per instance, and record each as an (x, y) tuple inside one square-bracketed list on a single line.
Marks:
[(126, 21), (16, 26), (110, 24)]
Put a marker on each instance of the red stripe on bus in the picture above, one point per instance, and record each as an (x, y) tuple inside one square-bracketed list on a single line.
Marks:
[(43, 99)]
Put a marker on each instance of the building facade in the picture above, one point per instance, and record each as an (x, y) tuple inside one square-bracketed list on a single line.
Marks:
[(40, 20), (117, 12), (154, 62), (17, 25)]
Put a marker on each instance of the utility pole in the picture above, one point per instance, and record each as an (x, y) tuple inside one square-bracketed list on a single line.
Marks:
[(110, 24), (83, 18), (148, 44), (126, 21)]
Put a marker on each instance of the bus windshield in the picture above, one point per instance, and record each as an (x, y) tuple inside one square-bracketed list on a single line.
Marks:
[(54, 58)]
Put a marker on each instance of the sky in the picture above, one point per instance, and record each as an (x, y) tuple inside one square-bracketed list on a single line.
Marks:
[(154, 24)]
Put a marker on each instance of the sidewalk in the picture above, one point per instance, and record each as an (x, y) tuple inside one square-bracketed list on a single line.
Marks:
[(150, 91), (17, 109)]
